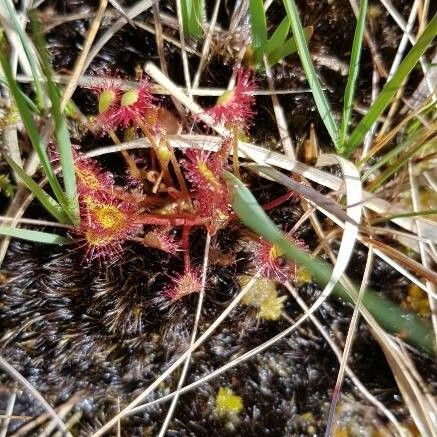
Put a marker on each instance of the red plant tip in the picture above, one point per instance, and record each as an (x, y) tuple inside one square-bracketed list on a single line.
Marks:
[(161, 239), (234, 107), (268, 259), (135, 105), (90, 177), (106, 225), (183, 285)]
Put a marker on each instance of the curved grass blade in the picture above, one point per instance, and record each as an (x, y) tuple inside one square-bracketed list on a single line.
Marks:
[(313, 81), (61, 130), (391, 87), (354, 67), (35, 236), (397, 164), (46, 200), (388, 314)]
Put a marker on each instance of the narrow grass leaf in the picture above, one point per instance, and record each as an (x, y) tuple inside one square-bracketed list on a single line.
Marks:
[(30, 125), (354, 67), (407, 214), (193, 13), (33, 108), (185, 10), (33, 61), (288, 48), (397, 165), (258, 24), (197, 18), (46, 200), (279, 36), (61, 130), (391, 87), (35, 236), (388, 314), (313, 81), (383, 160)]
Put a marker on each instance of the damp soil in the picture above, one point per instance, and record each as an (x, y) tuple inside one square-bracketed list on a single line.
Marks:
[(100, 332)]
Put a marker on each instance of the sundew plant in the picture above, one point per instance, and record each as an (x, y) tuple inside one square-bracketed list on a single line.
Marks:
[(204, 205)]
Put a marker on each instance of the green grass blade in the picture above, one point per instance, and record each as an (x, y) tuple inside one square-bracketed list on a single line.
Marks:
[(198, 17), (28, 51), (30, 125), (35, 236), (397, 165), (46, 200), (389, 156), (279, 36), (387, 218), (288, 48), (354, 67), (185, 11), (61, 130), (193, 14), (389, 315), (313, 81), (258, 24), (385, 96), (33, 108)]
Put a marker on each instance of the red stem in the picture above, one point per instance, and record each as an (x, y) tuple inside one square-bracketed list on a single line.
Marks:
[(186, 247), (162, 220), (279, 201)]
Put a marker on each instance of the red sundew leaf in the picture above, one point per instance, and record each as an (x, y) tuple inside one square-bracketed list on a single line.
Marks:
[(183, 285), (90, 177), (235, 107), (135, 105), (123, 108), (106, 223), (162, 239), (269, 261), (210, 193)]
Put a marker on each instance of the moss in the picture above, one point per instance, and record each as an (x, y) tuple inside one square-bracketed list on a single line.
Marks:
[(227, 403), (263, 295)]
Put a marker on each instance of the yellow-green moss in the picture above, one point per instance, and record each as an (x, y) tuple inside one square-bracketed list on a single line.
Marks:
[(264, 296), (227, 403)]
